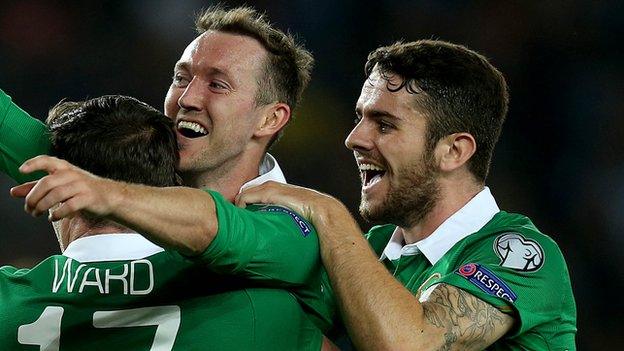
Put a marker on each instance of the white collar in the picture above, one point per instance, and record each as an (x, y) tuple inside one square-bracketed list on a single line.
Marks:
[(111, 247), (467, 220), (269, 170)]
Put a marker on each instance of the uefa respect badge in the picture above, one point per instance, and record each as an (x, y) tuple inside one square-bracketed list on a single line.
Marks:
[(487, 281)]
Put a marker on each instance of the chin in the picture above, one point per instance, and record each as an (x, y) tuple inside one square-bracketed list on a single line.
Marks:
[(370, 212)]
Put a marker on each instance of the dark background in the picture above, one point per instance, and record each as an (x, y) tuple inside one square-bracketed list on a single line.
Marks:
[(560, 159)]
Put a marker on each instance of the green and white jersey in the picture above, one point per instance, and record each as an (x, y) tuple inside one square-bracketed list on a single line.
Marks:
[(499, 257), (121, 292), (270, 246)]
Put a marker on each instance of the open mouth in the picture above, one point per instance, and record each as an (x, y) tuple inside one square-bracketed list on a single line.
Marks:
[(191, 129), (370, 173)]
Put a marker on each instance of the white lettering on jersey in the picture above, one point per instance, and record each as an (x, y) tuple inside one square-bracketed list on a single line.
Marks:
[(66, 270), (134, 291), (97, 282), (108, 277), (140, 282)]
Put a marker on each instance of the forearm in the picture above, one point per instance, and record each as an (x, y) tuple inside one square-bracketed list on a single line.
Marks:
[(379, 313), (21, 137), (178, 218)]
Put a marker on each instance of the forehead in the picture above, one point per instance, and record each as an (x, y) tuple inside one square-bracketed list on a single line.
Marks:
[(376, 96), (231, 53)]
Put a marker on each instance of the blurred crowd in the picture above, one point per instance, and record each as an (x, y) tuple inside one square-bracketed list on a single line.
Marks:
[(560, 159)]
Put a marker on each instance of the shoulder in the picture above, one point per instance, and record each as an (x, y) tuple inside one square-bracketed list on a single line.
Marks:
[(10, 270), (280, 214), (513, 241), (258, 217)]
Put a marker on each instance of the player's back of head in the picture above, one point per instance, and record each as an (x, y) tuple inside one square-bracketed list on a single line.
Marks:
[(116, 137)]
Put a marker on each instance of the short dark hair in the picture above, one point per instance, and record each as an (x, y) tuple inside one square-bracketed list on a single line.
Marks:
[(457, 87), (287, 70), (116, 137)]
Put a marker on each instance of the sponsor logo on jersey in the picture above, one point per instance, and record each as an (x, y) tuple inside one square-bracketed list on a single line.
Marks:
[(518, 252), (301, 223), (487, 281)]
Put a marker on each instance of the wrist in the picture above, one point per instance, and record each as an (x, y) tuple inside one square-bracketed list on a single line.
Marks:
[(116, 197), (325, 210)]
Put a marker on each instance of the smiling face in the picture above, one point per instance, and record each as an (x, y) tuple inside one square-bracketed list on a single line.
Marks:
[(212, 101), (399, 175)]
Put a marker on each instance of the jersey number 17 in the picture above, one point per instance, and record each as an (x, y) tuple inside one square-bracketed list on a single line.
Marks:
[(45, 332)]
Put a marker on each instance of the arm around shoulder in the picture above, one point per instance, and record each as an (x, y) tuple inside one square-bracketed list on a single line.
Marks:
[(179, 218)]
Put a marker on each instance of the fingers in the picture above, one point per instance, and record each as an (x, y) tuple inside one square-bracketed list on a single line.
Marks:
[(44, 163), (68, 208), (259, 194), (22, 190), (66, 185), (48, 189), (59, 195)]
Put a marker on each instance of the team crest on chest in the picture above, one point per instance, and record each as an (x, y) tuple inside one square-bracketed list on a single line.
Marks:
[(518, 252)]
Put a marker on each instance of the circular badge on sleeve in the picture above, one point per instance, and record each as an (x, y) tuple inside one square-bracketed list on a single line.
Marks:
[(518, 252)]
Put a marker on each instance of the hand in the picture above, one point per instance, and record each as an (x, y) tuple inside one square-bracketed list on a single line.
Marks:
[(306, 202), (66, 185)]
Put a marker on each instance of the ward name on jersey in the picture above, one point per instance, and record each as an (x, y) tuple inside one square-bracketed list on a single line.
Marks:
[(120, 291), (129, 278)]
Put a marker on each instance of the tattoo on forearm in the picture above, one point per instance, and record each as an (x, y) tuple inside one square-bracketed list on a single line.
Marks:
[(465, 317)]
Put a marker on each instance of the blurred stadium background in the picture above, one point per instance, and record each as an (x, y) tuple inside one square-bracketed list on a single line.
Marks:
[(561, 156)]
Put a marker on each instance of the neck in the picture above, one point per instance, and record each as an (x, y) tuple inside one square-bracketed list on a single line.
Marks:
[(453, 196), (78, 227), (227, 178)]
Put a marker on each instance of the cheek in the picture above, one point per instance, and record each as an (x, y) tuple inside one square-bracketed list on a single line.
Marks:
[(171, 102)]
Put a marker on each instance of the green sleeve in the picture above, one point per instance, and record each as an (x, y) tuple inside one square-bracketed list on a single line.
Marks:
[(535, 295), (21, 138), (271, 246), (262, 245)]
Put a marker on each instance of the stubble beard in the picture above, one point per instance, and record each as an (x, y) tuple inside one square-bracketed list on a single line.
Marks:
[(195, 171), (409, 201)]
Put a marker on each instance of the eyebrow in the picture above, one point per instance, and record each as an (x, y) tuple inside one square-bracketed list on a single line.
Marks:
[(181, 65), (184, 65), (376, 114)]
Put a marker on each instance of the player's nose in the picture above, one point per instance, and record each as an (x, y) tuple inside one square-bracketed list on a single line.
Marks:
[(193, 97)]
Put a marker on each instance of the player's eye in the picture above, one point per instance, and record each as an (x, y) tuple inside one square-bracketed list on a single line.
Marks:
[(218, 85), (385, 127), (180, 80)]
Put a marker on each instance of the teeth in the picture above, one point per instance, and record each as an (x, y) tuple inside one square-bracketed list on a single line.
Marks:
[(192, 126), (370, 167)]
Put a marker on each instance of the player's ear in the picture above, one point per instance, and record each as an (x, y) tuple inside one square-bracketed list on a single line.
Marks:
[(454, 150), (273, 119)]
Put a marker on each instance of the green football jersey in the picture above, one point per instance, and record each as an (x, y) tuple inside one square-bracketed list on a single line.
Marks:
[(271, 246), (120, 291), (162, 301), (507, 263)]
